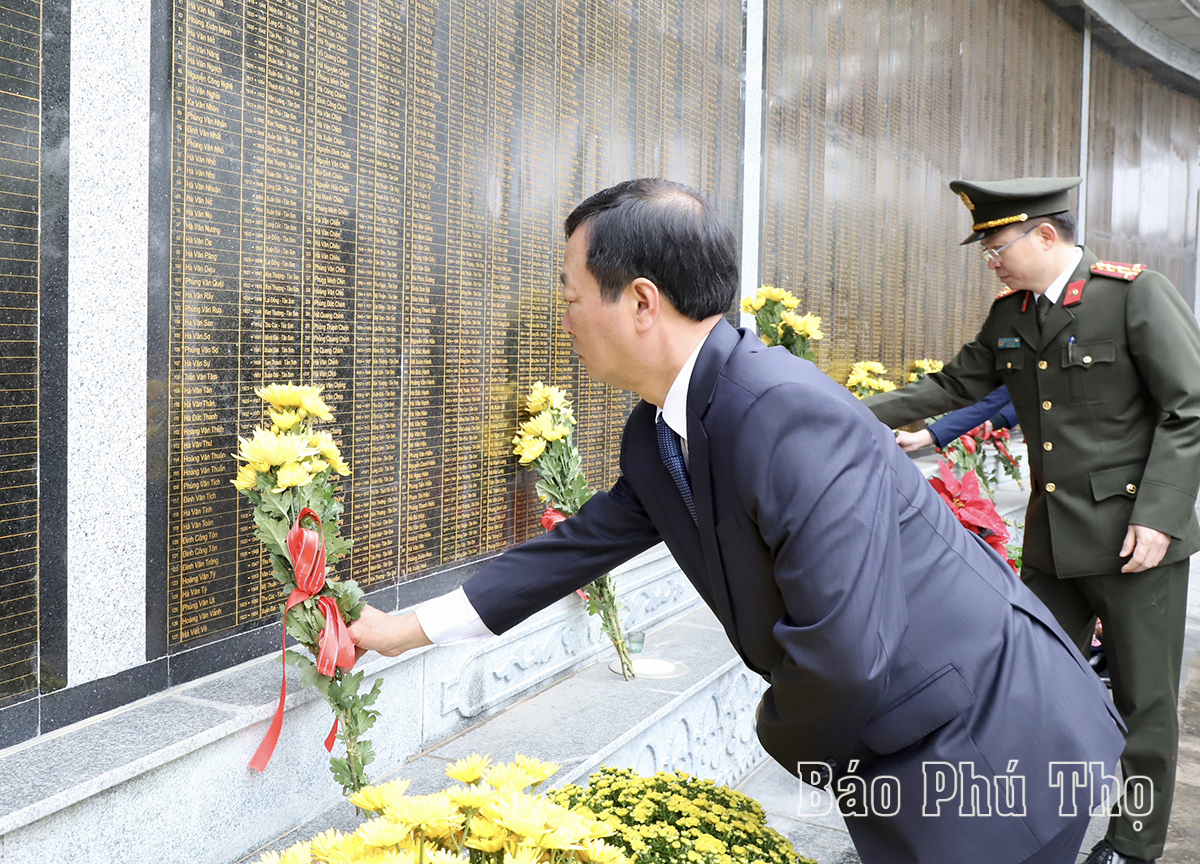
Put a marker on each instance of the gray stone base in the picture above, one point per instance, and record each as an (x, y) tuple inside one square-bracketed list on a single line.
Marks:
[(166, 779)]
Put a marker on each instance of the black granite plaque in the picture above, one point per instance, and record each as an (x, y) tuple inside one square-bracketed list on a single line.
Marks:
[(20, 126), (368, 196)]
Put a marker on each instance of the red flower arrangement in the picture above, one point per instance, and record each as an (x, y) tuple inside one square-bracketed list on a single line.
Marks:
[(972, 508)]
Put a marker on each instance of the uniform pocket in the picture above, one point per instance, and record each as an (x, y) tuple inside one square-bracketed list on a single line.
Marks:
[(927, 707), (1122, 480), (1089, 368)]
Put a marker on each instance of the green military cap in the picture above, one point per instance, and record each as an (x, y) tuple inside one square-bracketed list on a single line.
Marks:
[(996, 203)]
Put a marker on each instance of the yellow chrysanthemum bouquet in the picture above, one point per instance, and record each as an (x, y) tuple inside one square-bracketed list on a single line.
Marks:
[(492, 819), (672, 818), (923, 367), (289, 470), (774, 311), (546, 443), (866, 379)]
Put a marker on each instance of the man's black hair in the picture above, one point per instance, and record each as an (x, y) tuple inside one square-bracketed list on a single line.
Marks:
[(665, 232), (1063, 221)]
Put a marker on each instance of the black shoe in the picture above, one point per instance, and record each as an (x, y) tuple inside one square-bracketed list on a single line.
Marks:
[(1104, 853)]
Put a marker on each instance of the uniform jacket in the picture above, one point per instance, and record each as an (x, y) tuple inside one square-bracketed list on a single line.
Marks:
[(890, 635), (1108, 396)]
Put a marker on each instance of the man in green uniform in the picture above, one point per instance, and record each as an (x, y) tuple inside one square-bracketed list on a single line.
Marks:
[(1103, 364)]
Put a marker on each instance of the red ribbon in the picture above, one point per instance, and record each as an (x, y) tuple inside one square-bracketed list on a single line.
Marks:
[(550, 520), (306, 547)]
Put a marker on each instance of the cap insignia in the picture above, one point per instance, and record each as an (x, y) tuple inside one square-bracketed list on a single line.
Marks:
[(966, 200)]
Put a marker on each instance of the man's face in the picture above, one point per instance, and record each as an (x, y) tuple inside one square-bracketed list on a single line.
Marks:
[(600, 331), (1020, 261)]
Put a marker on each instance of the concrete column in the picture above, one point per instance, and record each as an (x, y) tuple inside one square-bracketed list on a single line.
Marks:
[(752, 152)]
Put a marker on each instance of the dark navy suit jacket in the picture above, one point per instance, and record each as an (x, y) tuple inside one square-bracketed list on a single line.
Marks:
[(959, 422), (891, 636)]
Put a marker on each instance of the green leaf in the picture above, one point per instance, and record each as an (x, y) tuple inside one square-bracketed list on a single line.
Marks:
[(272, 532)]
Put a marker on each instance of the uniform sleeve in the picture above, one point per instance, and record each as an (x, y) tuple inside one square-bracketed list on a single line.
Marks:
[(608, 530), (1165, 344), (815, 480), (965, 419), (966, 379)]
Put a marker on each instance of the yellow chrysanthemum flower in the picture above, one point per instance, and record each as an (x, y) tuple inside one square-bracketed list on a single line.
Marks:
[(382, 831), (539, 425), (247, 478), (536, 768), (470, 797), (269, 858), (284, 396), (529, 449), (523, 855), (298, 854), (315, 406), (327, 844), (508, 777), (267, 448), (291, 474), (325, 445), (770, 292), (542, 397), (468, 769), (752, 304), (435, 814), (599, 852), (808, 326), (284, 420), (375, 798), (486, 844)]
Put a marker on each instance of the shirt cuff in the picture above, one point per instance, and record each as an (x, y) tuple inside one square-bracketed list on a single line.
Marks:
[(451, 619)]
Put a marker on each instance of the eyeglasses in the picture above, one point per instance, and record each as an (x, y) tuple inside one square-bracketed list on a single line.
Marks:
[(990, 255)]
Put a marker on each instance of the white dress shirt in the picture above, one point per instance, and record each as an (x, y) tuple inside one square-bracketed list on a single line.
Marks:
[(452, 620)]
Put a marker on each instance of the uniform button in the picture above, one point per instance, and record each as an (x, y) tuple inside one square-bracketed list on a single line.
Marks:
[(1047, 405), (1050, 487), (1010, 364), (1049, 445), (1042, 364), (1087, 358), (1131, 489)]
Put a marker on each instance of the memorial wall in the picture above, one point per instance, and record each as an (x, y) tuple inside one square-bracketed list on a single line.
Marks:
[(870, 113), (1143, 178), (368, 196), (20, 143)]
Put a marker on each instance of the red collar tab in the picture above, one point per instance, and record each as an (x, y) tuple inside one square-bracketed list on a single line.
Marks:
[(1074, 293), (1025, 302), (1128, 272)]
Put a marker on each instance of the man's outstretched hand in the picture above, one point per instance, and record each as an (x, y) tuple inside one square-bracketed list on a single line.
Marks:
[(390, 635)]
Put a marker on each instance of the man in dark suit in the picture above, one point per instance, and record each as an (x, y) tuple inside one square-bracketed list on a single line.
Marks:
[(899, 647), (1102, 361)]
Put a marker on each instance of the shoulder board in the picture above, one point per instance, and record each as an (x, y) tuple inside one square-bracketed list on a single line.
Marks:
[(1128, 272), (1003, 293)]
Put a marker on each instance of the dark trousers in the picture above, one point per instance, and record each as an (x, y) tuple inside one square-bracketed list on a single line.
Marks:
[(1144, 617)]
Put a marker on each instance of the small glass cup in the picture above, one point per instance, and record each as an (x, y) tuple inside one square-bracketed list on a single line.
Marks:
[(635, 640)]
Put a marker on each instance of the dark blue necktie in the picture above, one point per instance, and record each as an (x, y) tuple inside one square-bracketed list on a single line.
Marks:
[(672, 457)]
